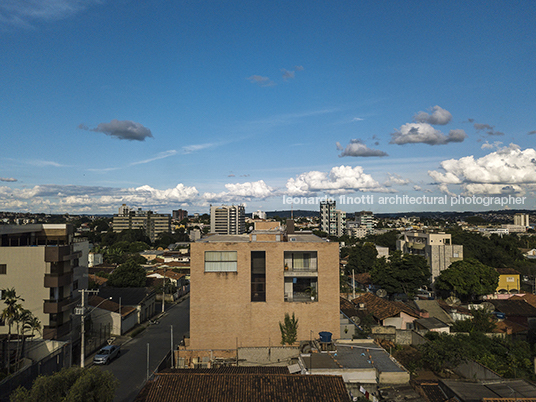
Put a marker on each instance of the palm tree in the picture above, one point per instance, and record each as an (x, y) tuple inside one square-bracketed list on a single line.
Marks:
[(29, 322), (10, 314)]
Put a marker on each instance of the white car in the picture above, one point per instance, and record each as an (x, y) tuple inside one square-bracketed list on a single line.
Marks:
[(107, 354)]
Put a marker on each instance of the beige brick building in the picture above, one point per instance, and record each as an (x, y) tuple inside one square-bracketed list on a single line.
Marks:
[(242, 286)]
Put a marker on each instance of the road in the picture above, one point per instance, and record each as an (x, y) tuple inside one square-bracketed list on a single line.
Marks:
[(131, 366)]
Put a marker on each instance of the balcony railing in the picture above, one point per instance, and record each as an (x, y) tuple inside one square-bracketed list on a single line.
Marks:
[(55, 306), (300, 297), (58, 281), (57, 253)]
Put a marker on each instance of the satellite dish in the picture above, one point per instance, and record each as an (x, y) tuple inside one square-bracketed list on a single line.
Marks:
[(452, 301), (488, 307), (381, 293), (356, 319)]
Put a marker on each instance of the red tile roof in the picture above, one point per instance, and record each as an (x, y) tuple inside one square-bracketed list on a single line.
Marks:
[(109, 305), (244, 387), (381, 308)]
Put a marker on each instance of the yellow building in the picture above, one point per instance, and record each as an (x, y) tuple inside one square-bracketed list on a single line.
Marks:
[(242, 286), (509, 280)]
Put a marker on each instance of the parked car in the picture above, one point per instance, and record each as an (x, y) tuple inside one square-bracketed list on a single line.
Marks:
[(107, 354)]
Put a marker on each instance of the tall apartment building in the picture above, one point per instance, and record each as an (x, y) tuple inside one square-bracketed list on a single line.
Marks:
[(332, 220), (230, 220), (153, 224), (521, 220), (46, 266), (242, 286), (437, 248), (179, 214)]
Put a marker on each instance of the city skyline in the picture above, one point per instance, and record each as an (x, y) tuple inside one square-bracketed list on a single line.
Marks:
[(166, 106)]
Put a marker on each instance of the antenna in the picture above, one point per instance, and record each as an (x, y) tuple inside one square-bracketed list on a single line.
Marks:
[(292, 210)]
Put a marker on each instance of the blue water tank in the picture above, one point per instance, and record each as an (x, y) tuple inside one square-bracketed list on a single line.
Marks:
[(325, 336)]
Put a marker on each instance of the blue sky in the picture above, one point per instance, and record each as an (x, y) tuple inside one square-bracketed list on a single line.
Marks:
[(165, 105)]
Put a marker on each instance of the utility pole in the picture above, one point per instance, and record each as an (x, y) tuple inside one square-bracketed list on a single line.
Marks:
[(164, 291), (171, 346), (82, 312)]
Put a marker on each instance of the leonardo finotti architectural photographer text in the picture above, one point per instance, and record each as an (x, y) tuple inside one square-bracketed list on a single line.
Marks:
[(370, 199)]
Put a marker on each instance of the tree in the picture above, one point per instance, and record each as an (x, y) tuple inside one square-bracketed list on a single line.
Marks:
[(289, 330), (128, 275), (482, 321), (401, 273), (11, 314), (361, 258), (70, 385), (468, 279)]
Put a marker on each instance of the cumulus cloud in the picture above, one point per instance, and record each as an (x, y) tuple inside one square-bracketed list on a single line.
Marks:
[(439, 116), (239, 192), (395, 179), (8, 179), (495, 145), (415, 133), (122, 129), (508, 169), (417, 188), (339, 180), (261, 81), (357, 148)]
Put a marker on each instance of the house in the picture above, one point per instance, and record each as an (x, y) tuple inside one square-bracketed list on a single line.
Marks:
[(46, 266), (143, 300), (517, 310), (432, 324), (120, 318), (509, 280), (231, 384), (433, 309), (385, 312), (243, 285)]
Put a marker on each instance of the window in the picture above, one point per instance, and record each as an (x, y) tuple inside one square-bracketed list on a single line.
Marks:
[(258, 276), (221, 261), (3, 269)]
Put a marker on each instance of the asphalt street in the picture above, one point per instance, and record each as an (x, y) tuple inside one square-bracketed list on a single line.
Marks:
[(131, 366)]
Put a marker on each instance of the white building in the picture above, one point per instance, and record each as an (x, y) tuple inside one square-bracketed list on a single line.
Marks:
[(332, 221), (228, 220)]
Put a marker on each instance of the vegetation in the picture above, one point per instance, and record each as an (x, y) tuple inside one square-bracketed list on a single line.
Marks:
[(70, 385), (128, 275), (361, 258), (468, 279), (24, 320), (507, 358), (401, 273), (289, 330), (482, 321)]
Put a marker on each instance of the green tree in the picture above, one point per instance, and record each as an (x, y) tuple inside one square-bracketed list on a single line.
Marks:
[(482, 321), (289, 330), (361, 258), (11, 314), (401, 273), (70, 385), (468, 279), (128, 275)]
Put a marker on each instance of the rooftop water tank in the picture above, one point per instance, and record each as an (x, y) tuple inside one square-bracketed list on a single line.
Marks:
[(325, 336)]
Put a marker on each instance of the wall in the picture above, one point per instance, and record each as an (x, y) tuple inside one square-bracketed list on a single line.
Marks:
[(274, 356), (222, 315), (477, 371)]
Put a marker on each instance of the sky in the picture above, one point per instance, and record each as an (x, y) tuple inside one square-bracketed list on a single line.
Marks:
[(380, 105)]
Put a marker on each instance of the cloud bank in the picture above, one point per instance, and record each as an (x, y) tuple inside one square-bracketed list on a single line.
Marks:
[(357, 148)]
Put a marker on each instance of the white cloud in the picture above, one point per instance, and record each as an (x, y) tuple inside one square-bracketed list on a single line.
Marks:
[(261, 81), (8, 179), (22, 13), (161, 155), (239, 192), (357, 148), (357, 119), (509, 169), (395, 179), (439, 116), (417, 188), (123, 130), (414, 133), (339, 180)]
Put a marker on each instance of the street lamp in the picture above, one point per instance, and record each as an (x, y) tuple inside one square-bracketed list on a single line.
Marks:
[(83, 325)]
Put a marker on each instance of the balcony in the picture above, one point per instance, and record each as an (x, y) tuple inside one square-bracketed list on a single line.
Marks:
[(57, 253), (53, 306), (58, 280), (56, 332)]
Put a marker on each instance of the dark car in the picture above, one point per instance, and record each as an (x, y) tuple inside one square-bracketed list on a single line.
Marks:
[(107, 354)]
